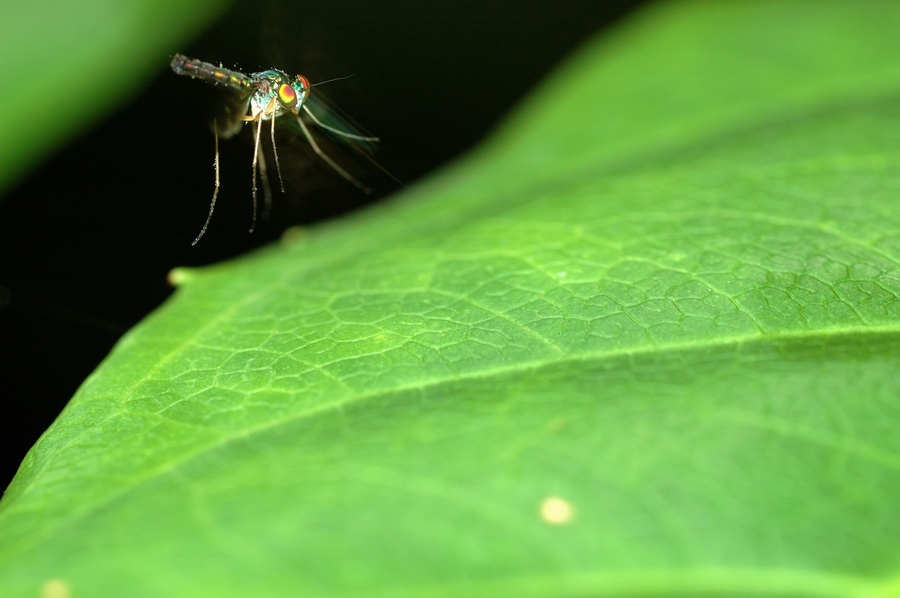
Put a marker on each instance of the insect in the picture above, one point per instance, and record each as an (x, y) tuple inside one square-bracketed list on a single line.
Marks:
[(262, 96)]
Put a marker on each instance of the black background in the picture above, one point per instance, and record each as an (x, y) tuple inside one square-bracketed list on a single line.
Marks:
[(86, 241)]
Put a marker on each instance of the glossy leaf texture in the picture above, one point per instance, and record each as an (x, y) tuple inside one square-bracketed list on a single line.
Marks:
[(644, 342)]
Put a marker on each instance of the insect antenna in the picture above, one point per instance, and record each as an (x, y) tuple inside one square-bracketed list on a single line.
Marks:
[(330, 80)]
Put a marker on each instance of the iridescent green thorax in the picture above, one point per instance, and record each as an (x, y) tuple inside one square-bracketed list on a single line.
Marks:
[(275, 93)]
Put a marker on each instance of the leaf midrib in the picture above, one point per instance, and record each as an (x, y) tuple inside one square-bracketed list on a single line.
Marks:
[(817, 338)]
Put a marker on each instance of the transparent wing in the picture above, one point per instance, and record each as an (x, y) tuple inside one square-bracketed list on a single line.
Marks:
[(327, 118)]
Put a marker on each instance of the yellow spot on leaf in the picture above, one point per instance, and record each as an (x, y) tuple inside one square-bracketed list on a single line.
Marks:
[(55, 588), (556, 511)]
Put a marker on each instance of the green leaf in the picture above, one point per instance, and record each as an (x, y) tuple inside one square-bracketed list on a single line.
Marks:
[(65, 63), (644, 342)]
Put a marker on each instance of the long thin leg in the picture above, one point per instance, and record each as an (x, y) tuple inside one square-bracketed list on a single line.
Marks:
[(267, 189), (212, 204), (319, 123), (255, 160), (322, 125), (330, 162), (275, 151)]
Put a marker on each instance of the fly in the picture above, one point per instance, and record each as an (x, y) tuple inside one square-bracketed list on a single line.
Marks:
[(262, 96)]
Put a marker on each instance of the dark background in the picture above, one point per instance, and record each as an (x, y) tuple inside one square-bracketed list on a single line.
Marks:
[(86, 241)]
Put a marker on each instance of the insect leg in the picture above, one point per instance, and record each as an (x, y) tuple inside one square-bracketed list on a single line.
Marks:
[(327, 159), (267, 189), (319, 123), (277, 164), (255, 160), (212, 203)]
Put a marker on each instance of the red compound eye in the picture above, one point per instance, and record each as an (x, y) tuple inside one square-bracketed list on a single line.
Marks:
[(287, 96), (304, 82)]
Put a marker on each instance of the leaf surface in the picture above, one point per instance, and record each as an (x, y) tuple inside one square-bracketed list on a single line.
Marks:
[(643, 342)]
